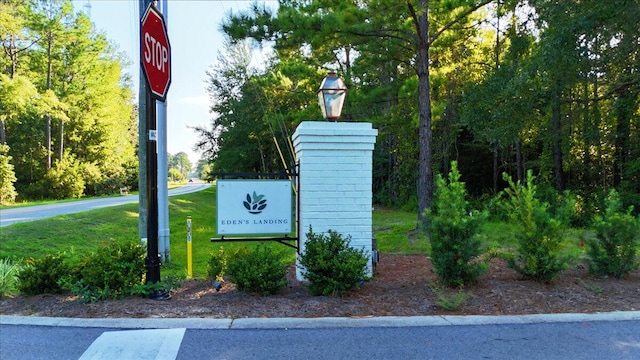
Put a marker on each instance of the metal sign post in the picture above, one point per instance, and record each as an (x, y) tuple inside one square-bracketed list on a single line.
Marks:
[(155, 60), (153, 256)]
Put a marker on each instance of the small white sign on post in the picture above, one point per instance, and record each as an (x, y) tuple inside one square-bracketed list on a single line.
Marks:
[(254, 207)]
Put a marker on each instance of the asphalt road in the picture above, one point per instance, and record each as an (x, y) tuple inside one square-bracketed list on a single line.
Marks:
[(564, 336), (31, 213)]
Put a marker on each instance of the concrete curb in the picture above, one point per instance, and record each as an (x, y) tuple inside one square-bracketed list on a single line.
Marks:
[(324, 323), (125, 323)]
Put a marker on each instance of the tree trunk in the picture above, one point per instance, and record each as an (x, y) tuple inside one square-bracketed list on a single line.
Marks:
[(3, 133), (425, 176), (589, 130), (48, 140), (495, 168), (624, 107), (556, 126), (48, 130), (519, 164), (13, 56), (61, 132), (425, 173), (61, 140)]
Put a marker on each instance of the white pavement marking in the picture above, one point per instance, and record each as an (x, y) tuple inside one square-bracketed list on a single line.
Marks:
[(157, 344)]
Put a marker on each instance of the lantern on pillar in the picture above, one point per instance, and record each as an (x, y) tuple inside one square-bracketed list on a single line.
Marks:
[(331, 96)]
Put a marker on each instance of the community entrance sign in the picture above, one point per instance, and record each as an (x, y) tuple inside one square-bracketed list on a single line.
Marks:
[(258, 207), (254, 207)]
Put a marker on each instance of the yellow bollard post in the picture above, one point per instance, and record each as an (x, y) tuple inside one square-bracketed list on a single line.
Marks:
[(189, 249)]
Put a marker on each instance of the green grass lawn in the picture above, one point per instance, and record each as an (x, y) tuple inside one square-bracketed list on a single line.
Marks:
[(395, 232), (79, 234)]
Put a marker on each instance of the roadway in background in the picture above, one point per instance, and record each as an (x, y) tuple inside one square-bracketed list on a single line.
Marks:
[(30, 213)]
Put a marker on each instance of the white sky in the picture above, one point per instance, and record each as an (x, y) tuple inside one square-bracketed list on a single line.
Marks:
[(195, 39)]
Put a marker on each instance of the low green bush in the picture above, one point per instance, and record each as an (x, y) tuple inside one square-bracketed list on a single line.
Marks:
[(453, 229), (613, 251), (9, 271), (111, 273), (44, 275), (450, 300), (331, 265), (261, 270)]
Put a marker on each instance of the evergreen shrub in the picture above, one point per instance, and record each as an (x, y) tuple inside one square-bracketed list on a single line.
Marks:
[(111, 272), (261, 271), (614, 250), (331, 265), (217, 265), (540, 236), (44, 275), (453, 229)]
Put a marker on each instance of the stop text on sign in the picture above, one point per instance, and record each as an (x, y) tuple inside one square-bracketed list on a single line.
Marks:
[(155, 53)]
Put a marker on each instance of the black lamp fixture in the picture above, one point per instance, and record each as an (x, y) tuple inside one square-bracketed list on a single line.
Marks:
[(331, 96)]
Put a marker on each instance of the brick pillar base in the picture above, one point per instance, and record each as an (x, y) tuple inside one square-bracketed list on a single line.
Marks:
[(336, 161)]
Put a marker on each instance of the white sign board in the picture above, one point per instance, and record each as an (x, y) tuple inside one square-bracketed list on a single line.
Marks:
[(254, 207)]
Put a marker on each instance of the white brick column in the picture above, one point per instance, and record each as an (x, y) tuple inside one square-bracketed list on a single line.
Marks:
[(336, 163)]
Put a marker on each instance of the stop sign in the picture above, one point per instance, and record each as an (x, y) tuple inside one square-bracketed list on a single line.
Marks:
[(155, 52)]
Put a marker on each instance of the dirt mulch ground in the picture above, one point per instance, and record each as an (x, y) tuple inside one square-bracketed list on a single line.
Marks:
[(403, 286)]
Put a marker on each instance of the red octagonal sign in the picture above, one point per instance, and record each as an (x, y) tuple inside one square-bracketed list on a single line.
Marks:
[(155, 52)]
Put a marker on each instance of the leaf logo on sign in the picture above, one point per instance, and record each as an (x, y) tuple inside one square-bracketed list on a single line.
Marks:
[(255, 204)]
